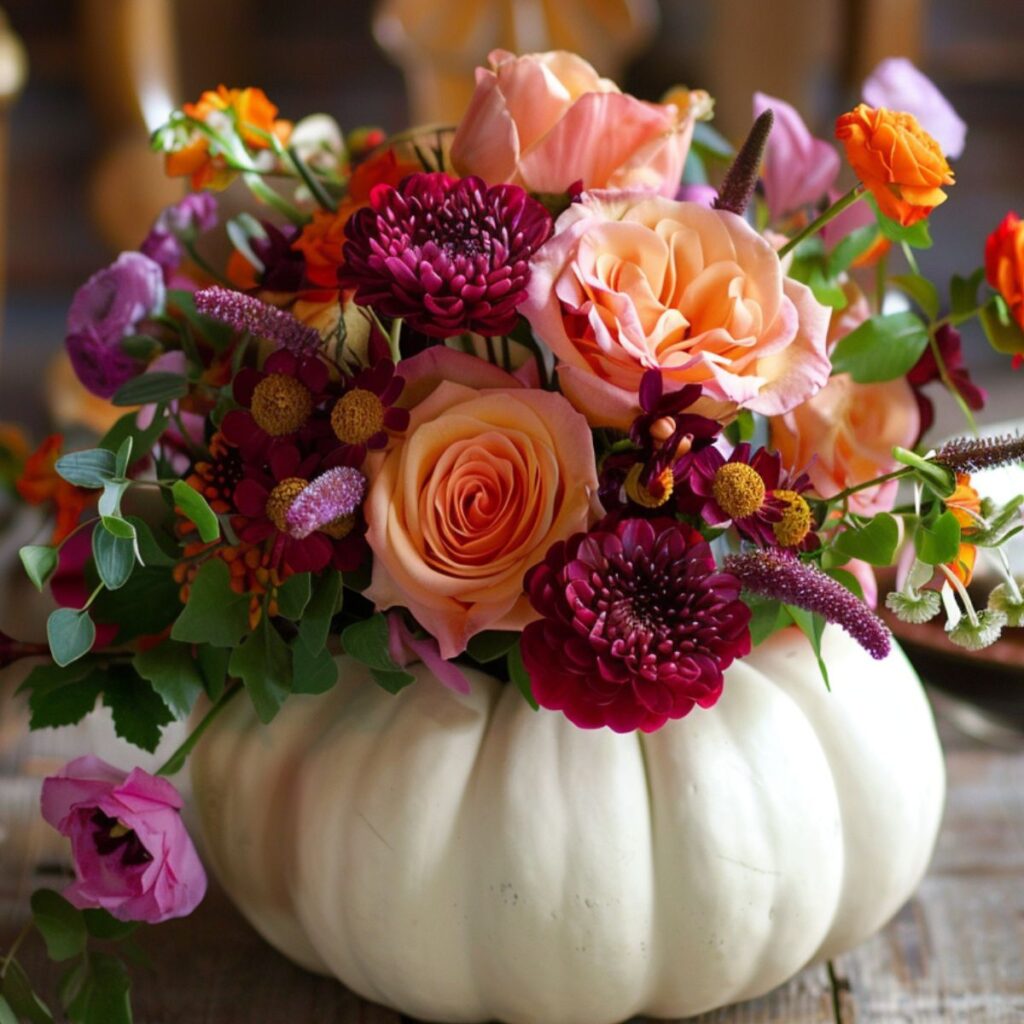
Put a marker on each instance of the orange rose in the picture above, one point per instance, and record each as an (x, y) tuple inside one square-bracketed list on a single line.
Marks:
[(249, 109), (483, 482), (1004, 263), (897, 160)]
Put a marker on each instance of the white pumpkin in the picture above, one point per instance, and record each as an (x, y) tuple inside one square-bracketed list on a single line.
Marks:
[(467, 859)]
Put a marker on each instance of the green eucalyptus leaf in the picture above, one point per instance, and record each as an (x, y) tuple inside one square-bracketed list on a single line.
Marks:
[(110, 499), (123, 456), (118, 527), (70, 634), (114, 558), (39, 562), (91, 468), (882, 348)]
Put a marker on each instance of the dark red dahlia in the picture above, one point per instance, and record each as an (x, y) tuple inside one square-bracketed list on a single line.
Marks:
[(926, 370), (638, 625), (445, 254)]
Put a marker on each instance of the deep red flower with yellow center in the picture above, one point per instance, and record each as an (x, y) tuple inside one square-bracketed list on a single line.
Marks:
[(365, 411)]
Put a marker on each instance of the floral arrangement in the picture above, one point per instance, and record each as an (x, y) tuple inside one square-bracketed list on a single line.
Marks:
[(571, 390)]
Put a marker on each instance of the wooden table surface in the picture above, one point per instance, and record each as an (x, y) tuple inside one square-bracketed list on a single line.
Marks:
[(953, 953)]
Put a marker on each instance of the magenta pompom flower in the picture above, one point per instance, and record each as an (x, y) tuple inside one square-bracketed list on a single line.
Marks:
[(637, 625), (446, 255)]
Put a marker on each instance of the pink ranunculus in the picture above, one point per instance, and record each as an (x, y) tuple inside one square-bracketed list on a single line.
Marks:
[(799, 169), (896, 84), (547, 120), (132, 854), (632, 282)]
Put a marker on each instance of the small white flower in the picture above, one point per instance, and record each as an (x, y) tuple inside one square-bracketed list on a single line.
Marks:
[(1002, 599), (917, 606), (973, 636)]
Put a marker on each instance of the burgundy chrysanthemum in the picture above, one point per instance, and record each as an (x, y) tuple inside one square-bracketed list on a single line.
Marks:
[(638, 625), (446, 255)]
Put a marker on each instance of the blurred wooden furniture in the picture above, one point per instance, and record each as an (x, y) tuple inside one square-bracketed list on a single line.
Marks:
[(440, 44), (13, 69)]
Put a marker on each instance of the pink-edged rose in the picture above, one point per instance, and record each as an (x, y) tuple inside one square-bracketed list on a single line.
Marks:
[(798, 168), (132, 854), (633, 282), (547, 120), (487, 476)]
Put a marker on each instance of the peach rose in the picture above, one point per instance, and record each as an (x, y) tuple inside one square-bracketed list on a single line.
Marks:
[(897, 160), (546, 120), (633, 282), (482, 483)]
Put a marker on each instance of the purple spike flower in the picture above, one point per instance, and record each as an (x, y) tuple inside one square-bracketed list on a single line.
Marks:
[(330, 497), (445, 254), (780, 575), (247, 313)]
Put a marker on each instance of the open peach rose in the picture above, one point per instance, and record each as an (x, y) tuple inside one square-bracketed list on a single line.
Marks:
[(547, 120), (474, 493), (633, 282)]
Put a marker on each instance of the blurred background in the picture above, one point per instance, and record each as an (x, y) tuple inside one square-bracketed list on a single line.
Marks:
[(82, 82)]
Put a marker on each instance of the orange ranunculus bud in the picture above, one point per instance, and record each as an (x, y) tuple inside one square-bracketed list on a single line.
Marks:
[(965, 504), (897, 160), (1004, 263)]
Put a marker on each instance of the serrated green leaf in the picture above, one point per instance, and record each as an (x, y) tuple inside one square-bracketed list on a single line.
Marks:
[(104, 997), (293, 596), (938, 542), (118, 527), (882, 348), (215, 614), (312, 673), (921, 290), (114, 558), (195, 507), (367, 641), (213, 667), (491, 645), (518, 675), (263, 662), (17, 990), (874, 543), (392, 680), (139, 714), (70, 634), (174, 673), (152, 387), (91, 468), (102, 925), (61, 696), (60, 924), (39, 562), (324, 604)]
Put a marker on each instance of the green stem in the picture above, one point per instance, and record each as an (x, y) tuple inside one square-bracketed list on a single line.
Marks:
[(881, 274), (176, 761), (946, 379), (911, 259), (316, 189), (100, 587), (261, 190), (394, 340), (896, 474), (16, 945), (819, 222), (204, 265)]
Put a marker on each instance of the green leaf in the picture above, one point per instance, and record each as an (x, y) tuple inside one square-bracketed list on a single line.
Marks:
[(194, 506), (848, 580), (91, 468), (139, 713), (518, 674), (122, 459), (491, 645), (848, 249), (215, 614), (217, 334), (293, 596), (921, 290), (40, 563), (711, 143), (938, 478), (174, 673), (1002, 330), (104, 926), (151, 550), (939, 542), (813, 274), (143, 438), (367, 641), (141, 347), (882, 348), (6, 1013), (118, 527), (114, 558), (963, 295), (61, 696), (104, 998), (874, 543), (60, 924), (152, 387), (17, 990), (916, 236), (264, 664), (812, 626), (767, 617), (323, 605), (71, 635), (312, 672), (392, 680), (110, 499), (146, 605), (213, 667)]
